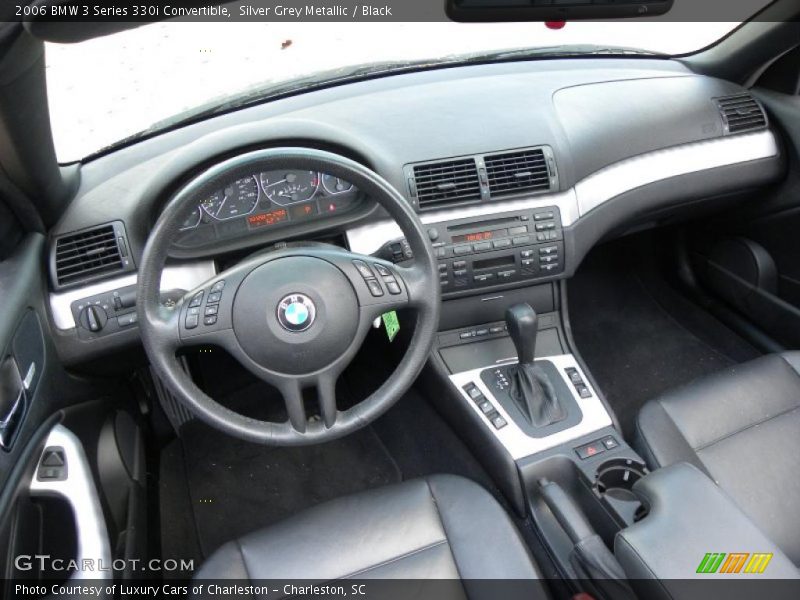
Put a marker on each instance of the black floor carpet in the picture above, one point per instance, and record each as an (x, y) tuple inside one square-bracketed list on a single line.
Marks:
[(639, 336), (215, 488)]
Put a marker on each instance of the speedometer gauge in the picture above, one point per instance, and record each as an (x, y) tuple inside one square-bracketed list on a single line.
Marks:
[(285, 188), (237, 199)]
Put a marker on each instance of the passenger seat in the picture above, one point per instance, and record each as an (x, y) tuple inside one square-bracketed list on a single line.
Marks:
[(741, 427)]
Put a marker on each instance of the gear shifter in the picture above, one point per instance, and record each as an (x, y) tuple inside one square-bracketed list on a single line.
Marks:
[(530, 388)]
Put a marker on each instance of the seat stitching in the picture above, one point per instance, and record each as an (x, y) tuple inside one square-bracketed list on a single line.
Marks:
[(393, 560), (745, 428)]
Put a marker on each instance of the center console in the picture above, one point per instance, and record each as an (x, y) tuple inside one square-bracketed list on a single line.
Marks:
[(512, 383)]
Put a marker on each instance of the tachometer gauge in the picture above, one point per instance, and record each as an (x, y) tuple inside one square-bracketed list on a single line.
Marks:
[(335, 185), (192, 219), (290, 187)]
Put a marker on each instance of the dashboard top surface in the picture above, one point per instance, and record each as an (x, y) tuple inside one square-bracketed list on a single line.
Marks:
[(592, 112)]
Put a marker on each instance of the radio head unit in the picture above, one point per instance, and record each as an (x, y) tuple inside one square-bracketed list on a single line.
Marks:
[(479, 253)]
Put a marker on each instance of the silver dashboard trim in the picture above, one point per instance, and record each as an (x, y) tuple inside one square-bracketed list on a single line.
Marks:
[(516, 442), (597, 188), (79, 491), (642, 170), (186, 276)]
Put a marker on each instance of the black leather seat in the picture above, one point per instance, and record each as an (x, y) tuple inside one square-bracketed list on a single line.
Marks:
[(441, 527), (742, 427)]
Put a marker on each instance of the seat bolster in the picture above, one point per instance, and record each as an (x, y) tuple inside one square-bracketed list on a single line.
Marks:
[(484, 542), (793, 359), (659, 441), (226, 563)]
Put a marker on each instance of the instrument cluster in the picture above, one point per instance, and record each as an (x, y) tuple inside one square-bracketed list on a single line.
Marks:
[(266, 200)]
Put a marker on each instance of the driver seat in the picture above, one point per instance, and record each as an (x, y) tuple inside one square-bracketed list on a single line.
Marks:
[(439, 527)]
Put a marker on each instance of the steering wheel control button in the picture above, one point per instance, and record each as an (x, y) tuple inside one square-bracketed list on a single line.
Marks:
[(197, 300), (192, 321), (214, 297), (296, 312), (393, 287), (384, 272), (362, 267), (211, 310), (209, 320), (374, 287)]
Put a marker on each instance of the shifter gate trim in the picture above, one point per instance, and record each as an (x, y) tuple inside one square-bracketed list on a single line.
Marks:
[(516, 442)]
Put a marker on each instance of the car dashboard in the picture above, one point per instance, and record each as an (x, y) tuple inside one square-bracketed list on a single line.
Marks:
[(516, 169)]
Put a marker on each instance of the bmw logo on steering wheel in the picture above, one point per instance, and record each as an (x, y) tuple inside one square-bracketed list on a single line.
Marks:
[(296, 312)]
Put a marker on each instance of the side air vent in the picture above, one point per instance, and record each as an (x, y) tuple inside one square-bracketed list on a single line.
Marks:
[(515, 172), (741, 113), (90, 254), (446, 183)]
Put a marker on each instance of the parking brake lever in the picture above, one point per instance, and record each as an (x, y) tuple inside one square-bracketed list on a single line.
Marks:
[(590, 557)]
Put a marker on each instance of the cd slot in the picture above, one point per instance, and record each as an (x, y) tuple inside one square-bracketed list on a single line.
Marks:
[(496, 262)]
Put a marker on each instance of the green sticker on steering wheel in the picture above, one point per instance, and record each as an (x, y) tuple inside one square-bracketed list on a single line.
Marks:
[(392, 324)]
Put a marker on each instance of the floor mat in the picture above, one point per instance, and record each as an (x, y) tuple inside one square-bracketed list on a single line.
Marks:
[(215, 488), (639, 336), (236, 487)]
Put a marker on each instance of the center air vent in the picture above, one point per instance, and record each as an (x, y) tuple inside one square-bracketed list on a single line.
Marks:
[(515, 172), (450, 182), (482, 177), (90, 254), (741, 113)]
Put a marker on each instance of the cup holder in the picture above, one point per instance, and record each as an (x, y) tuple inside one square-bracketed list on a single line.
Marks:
[(614, 484)]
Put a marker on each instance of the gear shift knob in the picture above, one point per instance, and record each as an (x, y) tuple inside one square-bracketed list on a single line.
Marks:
[(522, 324)]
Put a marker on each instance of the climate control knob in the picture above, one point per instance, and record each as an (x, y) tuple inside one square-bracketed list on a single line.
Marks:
[(93, 318)]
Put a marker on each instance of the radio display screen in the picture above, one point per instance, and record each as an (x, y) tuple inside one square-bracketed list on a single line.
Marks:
[(479, 236)]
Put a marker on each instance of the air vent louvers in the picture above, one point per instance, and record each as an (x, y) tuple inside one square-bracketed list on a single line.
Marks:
[(87, 254), (741, 113), (447, 182), (515, 172)]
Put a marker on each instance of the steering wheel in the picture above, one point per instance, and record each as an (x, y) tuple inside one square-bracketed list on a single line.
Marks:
[(294, 317)]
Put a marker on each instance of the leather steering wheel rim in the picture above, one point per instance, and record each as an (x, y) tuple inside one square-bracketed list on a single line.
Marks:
[(163, 329)]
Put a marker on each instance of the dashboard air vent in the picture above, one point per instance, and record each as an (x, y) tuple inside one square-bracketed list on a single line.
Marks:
[(741, 113), (515, 172), (450, 182), (90, 254)]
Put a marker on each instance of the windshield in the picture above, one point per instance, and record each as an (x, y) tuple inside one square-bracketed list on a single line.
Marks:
[(107, 89)]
